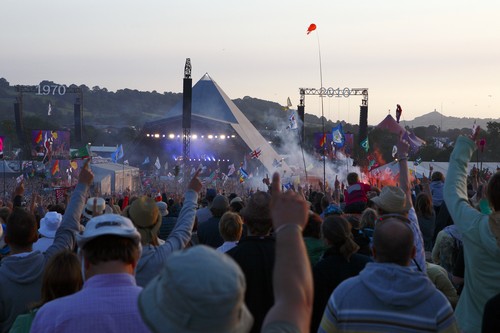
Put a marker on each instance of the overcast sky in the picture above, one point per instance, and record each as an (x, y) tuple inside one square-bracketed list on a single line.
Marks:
[(424, 55)]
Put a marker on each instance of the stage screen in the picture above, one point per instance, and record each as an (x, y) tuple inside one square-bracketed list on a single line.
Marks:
[(48, 144)]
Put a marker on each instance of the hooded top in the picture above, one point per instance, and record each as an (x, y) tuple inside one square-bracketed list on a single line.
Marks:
[(21, 275), (387, 297), (479, 237)]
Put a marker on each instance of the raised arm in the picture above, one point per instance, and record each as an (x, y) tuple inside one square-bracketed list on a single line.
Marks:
[(292, 277), (455, 186), (181, 234), (65, 235), (404, 175)]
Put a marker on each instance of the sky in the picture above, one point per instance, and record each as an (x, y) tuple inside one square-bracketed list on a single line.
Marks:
[(424, 55)]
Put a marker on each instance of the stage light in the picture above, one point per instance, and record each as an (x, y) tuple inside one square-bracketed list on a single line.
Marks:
[(233, 136), (210, 136), (163, 136), (157, 135), (194, 136), (147, 135), (202, 136), (171, 136), (216, 136), (222, 137), (178, 136)]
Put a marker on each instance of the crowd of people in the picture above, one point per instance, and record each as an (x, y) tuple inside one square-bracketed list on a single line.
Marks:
[(421, 256)]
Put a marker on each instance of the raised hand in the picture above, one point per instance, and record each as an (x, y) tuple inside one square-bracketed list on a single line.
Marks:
[(195, 183), (86, 176), (287, 208)]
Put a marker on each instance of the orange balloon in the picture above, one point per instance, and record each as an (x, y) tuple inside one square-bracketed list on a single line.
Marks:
[(311, 28)]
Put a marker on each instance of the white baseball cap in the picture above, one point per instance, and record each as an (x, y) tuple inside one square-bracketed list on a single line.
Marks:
[(108, 224)]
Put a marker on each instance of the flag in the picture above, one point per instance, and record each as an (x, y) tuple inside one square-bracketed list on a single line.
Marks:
[(125, 162), (482, 143), (20, 179), (166, 166), (83, 152), (398, 112), (323, 140), (293, 121), (55, 167), (256, 153), (365, 144), (474, 126), (47, 143), (1, 146), (60, 193), (211, 177), (288, 186), (117, 154), (231, 170), (276, 163), (157, 163), (243, 175), (394, 151), (39, 137), (338, 136), (49, 113), (288, 104), (73, 165), (417, 161), (311, 28), (146, 160)]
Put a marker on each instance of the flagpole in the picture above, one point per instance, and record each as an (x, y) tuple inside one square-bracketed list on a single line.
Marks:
[(322, 110)]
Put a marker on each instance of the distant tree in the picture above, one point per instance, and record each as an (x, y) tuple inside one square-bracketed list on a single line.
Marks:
[(493, 128)]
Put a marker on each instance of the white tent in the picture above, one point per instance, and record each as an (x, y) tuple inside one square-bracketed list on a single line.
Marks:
[(392, 168), (115, 177)]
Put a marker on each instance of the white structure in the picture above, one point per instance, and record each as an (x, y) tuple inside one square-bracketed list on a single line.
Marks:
[(114, 177)]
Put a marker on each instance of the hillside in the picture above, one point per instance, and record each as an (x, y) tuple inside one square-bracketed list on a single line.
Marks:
[(445, 122), (127, 107)]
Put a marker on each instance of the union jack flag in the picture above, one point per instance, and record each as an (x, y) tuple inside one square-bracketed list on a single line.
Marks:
[(256, 153)]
